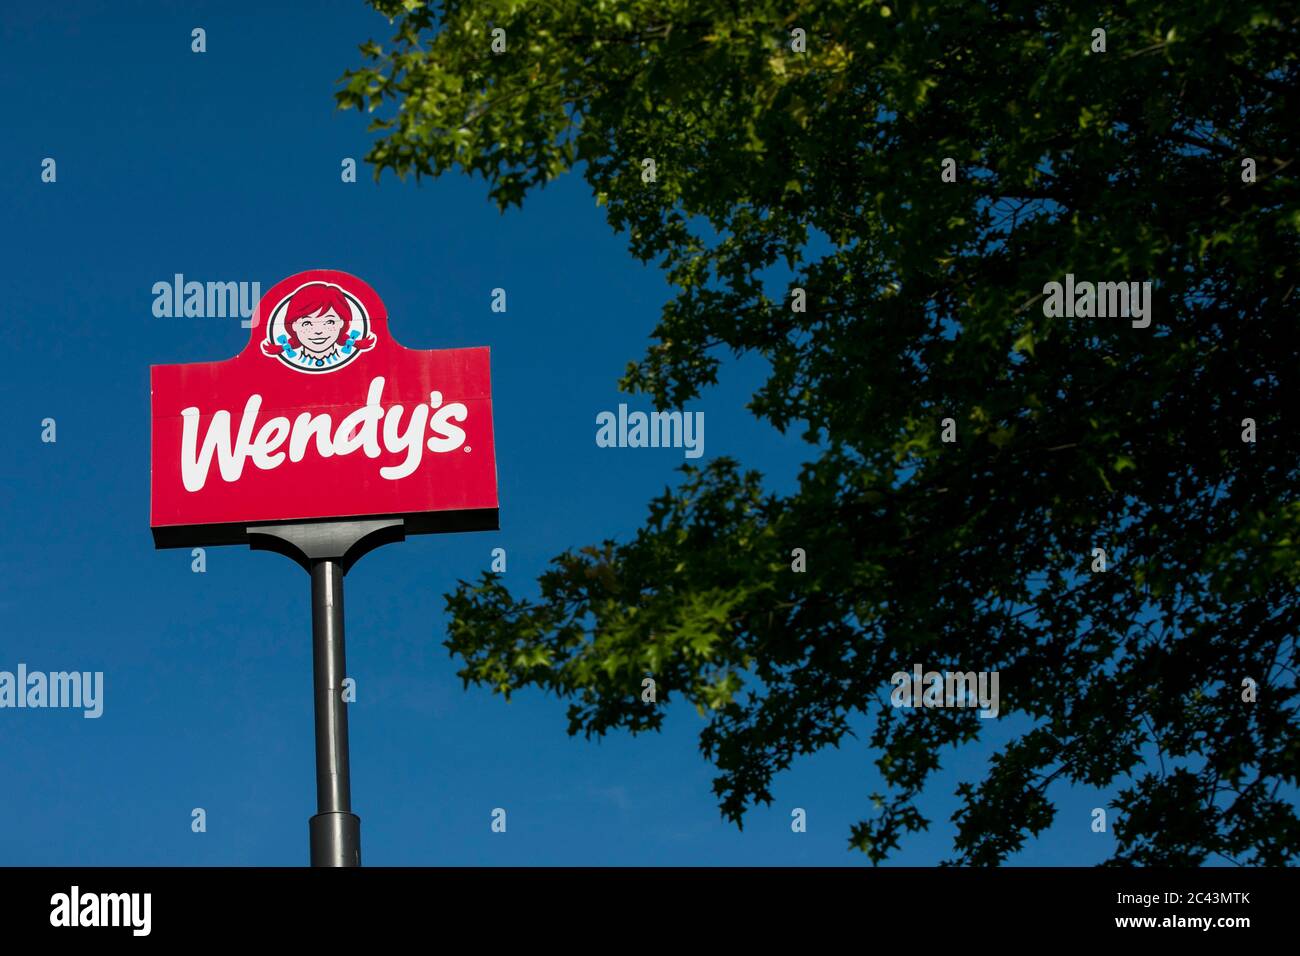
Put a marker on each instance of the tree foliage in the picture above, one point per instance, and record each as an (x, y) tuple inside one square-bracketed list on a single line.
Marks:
[(925, 303)]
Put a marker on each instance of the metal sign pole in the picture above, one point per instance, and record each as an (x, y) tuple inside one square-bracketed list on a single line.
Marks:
[(335, 829), (327, 550)]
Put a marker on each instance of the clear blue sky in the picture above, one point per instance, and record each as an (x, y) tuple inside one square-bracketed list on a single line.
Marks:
[(225, 166)]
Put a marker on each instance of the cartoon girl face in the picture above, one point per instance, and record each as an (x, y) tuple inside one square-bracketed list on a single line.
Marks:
[(315, 333), (319, 332)]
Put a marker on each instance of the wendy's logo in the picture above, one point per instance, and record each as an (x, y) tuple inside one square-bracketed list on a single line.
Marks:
[(318, 327)]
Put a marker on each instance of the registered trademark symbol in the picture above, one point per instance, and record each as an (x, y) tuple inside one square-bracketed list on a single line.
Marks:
[(467, 447)]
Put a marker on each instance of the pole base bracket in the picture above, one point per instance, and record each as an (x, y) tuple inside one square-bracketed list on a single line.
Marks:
[(335, 839)]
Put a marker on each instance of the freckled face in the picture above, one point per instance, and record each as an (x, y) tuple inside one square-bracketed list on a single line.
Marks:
[(319, 332)]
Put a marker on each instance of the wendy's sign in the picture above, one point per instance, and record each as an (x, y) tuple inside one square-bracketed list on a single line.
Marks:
[(321, 416)]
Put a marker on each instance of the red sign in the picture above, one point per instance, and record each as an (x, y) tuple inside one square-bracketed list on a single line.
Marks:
[(322, 415)]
